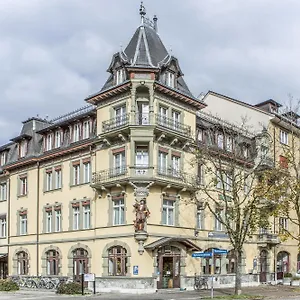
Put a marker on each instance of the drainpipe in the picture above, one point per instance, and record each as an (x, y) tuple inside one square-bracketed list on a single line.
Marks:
[(38, 220), (274, 220)]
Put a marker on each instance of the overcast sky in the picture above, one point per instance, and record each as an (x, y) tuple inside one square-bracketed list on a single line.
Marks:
[(55, 53)]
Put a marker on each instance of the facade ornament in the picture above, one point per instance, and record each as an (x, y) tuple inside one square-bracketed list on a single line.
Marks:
[(141, 214)]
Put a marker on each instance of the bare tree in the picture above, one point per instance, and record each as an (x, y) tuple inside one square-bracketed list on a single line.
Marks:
[(231, 162)]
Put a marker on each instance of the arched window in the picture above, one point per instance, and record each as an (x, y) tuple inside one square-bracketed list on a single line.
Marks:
[(117, 261), (282, 264), (231, 264), (52, 262), (207, 263), (80, 263), (22, 259)]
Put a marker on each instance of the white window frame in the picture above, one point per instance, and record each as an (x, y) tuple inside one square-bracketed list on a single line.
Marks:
[(23, 148), (220, 140), (170, 79), (23, 224), (87, 172), (120, 76), (58, 178), (49, 217), (49, 140), (176, 160), (163, 162), (119, 160), (284, 137), (176, 117), (118, 211), (120, 115), (168, 212), (3, 227), (142, 160), (57, 138), (3, 191), (76, 174), (57, 223), (218, 224), (86, 216), (76, 132), (23, 186), (86, 129), (283, 223), (3, 158), (49, 181), (76, 218), (229, 144), (200, 218)]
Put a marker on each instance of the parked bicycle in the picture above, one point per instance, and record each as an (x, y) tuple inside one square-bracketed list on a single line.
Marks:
[(200, 283)]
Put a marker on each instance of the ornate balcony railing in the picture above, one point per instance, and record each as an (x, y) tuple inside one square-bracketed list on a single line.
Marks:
[(114, 123), (110, 174), (268, 238), (142, 119), (172, 124)]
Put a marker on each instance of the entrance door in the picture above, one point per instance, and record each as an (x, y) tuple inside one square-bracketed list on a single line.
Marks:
[(263, 266), (169, 268)]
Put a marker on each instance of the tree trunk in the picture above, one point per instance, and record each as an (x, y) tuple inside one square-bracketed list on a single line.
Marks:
[(238, 273)]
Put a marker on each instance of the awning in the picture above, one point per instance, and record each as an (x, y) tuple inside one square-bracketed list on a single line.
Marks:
[(168, 240)]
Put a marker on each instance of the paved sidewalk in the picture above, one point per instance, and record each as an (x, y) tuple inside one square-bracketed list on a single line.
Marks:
[(269, 292)]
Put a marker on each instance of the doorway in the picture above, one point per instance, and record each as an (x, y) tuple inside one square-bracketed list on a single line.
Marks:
[(263, 265), (169, 269)]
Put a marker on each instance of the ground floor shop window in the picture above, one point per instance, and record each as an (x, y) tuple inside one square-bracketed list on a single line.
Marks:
[(117, 261)]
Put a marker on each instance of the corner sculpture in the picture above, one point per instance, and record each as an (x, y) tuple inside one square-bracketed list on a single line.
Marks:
[(141, 214)]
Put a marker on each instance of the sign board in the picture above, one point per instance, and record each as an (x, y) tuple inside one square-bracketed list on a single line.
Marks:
[(135, 270), (220, 251), (217, 235), (89, 277), (201, 254)]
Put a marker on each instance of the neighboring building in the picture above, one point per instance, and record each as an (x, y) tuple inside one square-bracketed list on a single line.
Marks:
[(273, 258), (75, 184)]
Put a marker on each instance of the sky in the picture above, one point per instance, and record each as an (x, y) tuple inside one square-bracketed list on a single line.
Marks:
[(53, 54)]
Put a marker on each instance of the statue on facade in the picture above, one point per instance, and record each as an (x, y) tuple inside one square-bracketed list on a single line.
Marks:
[(141, 214)]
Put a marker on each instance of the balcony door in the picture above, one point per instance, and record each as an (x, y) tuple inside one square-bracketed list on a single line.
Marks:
[(163, 115), (175, 166), (176, 119), (142, 160), (120, 114), (143, 113), (119, 163)]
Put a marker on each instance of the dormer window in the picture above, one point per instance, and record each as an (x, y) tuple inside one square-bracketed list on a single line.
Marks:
[(76, 132), (86, 129), (3, 158), (48, 142), (57, 138), (120, 76), (23, 148), (170, 79)]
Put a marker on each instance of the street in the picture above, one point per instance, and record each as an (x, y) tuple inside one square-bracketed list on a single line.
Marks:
[(269, 292)]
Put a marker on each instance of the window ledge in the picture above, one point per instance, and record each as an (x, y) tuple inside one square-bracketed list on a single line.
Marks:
[(3, 200), (53, 190), (79, 184), (21, 196)]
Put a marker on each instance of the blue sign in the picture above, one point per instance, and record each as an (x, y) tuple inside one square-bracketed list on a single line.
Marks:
[(201, 254), (135, 270), (220, 251)]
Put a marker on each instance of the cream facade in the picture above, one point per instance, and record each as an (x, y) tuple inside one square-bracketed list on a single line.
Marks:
[(107, 189)]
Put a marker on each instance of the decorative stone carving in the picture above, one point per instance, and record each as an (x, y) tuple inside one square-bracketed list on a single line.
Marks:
[(141, 214)]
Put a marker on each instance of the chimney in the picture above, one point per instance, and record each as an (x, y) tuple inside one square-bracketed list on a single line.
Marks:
[(155, 22)]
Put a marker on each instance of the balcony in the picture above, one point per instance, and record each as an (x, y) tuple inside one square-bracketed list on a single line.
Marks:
[(268, 239), (173, 125), (161, 176), (115, 123), (265, 162)]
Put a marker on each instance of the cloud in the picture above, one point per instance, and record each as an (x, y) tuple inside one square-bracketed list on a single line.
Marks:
[(55, 53)]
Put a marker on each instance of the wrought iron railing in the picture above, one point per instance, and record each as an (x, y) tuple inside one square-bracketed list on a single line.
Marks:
[(172, 124), (142, 119), (39, 282), (107, 175), (114, 123), (269, 238)]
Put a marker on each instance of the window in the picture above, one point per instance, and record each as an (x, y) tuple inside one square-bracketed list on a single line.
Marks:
[(168, 212), (23, 148), (76, 217), (48, 142), (23, 223), (229, 143), (57, 224), (3, 157), (57, 138), (142, 160), (49, 220), (118, 211), (22, 260), (163, 115), (2, 226), (120, 76), (49, 180), (76, 174), (200, 173), (52, 262), (283, 224), (80, 263), (200, 217), (175, 165), (220, 141), (76, 132), (3, 191), (23, 186), (224, 179), (120, 115), (170, 79), (86, 216), (163, 162), (218, 218), (231, 264), (283, 137), (245, 151), (57, 178), (117, 261), (86, 172), (86, 129), (176, 119), (119, 162), (200, 135)]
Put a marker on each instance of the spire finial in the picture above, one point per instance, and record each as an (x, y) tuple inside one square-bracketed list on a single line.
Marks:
[(155, 23), (142, 11)]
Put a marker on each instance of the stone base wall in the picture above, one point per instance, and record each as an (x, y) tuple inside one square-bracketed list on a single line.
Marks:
[(139, 285)]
